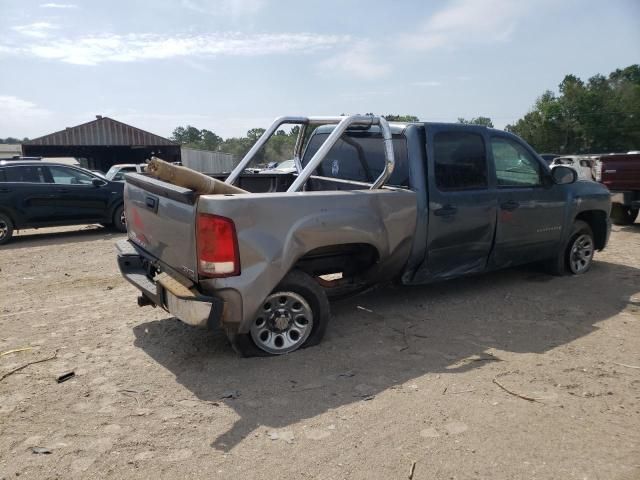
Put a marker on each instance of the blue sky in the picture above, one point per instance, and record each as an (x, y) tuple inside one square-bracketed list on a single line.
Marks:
[(229, 65)]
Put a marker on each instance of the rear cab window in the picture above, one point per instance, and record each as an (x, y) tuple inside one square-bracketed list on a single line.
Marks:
[(359, 156)]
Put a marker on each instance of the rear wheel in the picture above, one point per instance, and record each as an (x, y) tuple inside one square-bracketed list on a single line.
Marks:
[(295, 315), (6, 229), (119, 220), (622, 215)]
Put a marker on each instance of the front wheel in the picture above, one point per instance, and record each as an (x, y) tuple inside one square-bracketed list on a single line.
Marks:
[(577, 255), (295, 315)]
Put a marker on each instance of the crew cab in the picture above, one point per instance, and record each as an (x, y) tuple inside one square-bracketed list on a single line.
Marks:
[(370, 202), (35, 194), (620, 173)]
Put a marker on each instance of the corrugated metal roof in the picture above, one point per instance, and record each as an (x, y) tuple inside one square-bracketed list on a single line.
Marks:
[(103, 131)]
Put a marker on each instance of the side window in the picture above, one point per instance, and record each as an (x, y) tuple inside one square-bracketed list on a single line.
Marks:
[(515, 166), (69, 176), (460, 161), (25, 174)]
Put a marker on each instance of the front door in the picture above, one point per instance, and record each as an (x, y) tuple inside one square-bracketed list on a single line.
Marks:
[(461, 206), (530, 209), (76, 198)]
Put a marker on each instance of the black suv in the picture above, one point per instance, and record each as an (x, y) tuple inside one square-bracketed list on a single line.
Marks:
[(38, 194)]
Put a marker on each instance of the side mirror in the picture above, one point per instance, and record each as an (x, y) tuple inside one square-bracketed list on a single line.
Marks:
[(562, 175), (98, 183)]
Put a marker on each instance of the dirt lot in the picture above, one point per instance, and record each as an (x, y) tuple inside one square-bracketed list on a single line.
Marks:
[(404, 375)]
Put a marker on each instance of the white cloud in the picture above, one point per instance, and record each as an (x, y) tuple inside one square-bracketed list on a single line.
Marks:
[(467, 22), (36, 29), (427, 83), (233, 8), (358, 61), (96, 49), (20, 117), (13, 106), (58, 5)]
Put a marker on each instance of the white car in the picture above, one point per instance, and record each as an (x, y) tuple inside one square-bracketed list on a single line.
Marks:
[(117, 172), (581, 164), (286, 166)]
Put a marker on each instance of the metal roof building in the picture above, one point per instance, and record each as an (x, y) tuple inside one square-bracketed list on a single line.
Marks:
[(101, 143)]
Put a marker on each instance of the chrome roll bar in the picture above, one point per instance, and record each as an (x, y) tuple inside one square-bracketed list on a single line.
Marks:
[(342, 124)]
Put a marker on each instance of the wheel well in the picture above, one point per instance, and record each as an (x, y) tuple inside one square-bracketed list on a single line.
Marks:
[(597, 220), (349, 259), (114, 208), (8, 214)]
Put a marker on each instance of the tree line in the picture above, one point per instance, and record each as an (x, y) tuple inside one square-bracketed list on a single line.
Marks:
[(12, 140), (597, 116)]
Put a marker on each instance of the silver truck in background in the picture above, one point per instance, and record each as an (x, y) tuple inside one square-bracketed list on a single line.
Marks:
[(369, 202)]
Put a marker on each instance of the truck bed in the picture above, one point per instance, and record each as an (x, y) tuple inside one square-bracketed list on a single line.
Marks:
[(275, 230)]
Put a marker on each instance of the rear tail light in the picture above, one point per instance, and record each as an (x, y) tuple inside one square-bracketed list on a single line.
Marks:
[(217, 246)]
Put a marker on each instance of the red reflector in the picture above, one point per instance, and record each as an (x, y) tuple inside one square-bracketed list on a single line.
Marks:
[(217, 246)]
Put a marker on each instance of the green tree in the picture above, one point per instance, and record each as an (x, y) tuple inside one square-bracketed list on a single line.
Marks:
[(484, 121), (600, 115), (401, 118)]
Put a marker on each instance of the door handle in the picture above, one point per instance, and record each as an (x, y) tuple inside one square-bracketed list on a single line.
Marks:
[(63, 190), (446, 211), (509, 206), (5, 190)]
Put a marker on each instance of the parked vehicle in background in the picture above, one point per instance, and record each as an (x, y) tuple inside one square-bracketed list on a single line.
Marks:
[(34, 194), (117, 172), (374, 202), (583, 165), (620, 173), (286, 166), (548, 157)]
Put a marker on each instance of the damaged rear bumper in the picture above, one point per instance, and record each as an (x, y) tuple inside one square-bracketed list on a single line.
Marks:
[(191, 308)]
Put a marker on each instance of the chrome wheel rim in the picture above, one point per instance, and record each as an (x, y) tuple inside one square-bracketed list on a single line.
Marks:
[(4, 229), (581, 253), (123, 220), (283, 323)]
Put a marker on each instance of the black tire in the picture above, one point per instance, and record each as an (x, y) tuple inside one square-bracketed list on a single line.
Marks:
[(565, 262), (306, 287), (6, 229), (119, 222), (622, 215)]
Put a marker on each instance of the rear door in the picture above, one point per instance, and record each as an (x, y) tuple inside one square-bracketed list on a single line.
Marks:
[(27, 194), (531, 209), (461, 206), (76, 198)]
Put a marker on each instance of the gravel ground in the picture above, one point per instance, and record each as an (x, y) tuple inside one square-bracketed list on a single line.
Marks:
[(507, 375)]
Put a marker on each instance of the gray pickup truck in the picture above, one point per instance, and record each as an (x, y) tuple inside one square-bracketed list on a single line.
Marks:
[(370, 202)]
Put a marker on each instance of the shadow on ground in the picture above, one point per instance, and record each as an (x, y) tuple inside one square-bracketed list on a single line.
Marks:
[(46, 237), (404, 333)]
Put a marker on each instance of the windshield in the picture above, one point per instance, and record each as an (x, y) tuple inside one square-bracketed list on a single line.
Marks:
[(111, 173)]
